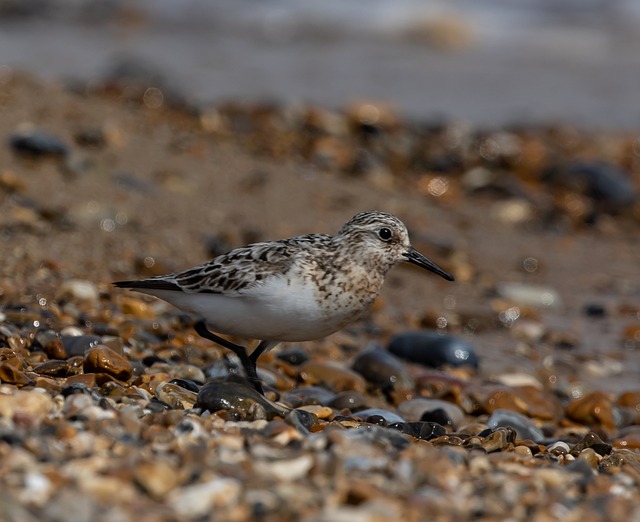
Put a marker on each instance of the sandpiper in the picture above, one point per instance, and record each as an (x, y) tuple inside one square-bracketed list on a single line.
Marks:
[(297, 289)]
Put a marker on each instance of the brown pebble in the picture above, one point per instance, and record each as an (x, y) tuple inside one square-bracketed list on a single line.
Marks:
[(136, 307), (11, 375), (88, 379), (101, 359), (55, 349), (53, 368), (594, 409), (337, 377), (156, 478)]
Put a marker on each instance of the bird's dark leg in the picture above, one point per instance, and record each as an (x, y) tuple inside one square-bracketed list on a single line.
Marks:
[(260, 349), (248, 363)]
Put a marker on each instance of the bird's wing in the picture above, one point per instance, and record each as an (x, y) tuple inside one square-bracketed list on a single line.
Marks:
[(236, 271)]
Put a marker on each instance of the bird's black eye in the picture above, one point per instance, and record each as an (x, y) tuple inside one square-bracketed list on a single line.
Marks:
[(384, 234)]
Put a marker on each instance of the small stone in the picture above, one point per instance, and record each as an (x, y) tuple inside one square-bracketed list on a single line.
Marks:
[(595, 310), (55, 349), (308, 395), (336, 377), (200, 500), (156, 477), (101, 359), (389, 417), (382, 369), (75, 345), (322, 412), (176, 396), (78, 291), (420, 430), (499, 440), (433, 349), (37, 143), (523, 426), (351, 400), (594, 409), (238, 399), (591, 440), (136, 307), (530, 295), (11, 375), (415, 409)]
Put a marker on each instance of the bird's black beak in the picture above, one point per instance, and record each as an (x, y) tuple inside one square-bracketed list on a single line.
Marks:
[(416, 258)]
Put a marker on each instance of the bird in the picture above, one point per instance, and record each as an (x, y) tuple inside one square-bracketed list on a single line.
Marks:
[(297, 289)]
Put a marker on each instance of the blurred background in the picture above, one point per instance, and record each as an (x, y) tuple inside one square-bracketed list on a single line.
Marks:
[(488, 62)]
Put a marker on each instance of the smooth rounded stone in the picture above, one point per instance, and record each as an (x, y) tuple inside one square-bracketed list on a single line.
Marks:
[(523, 426), (308, 395), (529, 295), (591, 440), (381, 368), (351, 400), (293, 356), (37, 143), (101, 359), (594, 409), (528, 400), (527, 330), (238, 399), (519, 379), (176, 396), (433, 349), (156, 477), (472, 429), (599, 180), (54, 349), (336, 377), (414, 410), (420, 430), (589, 456), (322, 412), (371, 415), (595, 310), (53, 368), (559, 448), (78, 291), (21, 402), (11, 375), (136, 307), (196, 501), (499, 439), (78, 345), (186, 384), (45, 336)]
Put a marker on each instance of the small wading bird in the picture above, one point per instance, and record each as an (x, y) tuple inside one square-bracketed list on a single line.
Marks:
[(297, 289)]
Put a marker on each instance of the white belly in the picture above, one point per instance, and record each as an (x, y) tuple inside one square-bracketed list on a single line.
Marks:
[(276, 311)]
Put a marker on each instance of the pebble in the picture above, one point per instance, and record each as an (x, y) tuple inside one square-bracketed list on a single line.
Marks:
[(80, 344), (379, 415), (333, 375), (523, 426), (415, 409), (530, 295), (594, 409), (78, 291), (433, 349), (101, 359), (237, 399), (382, 369), (37, 143), (201, 499)]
